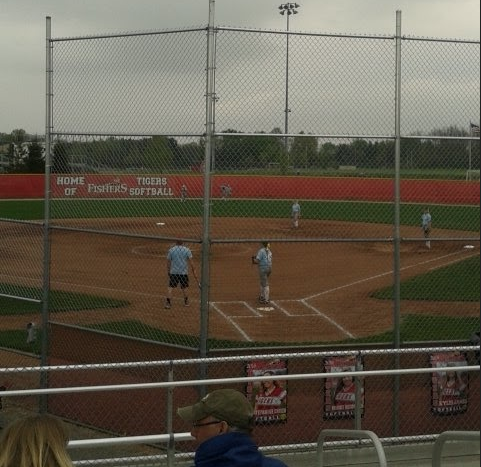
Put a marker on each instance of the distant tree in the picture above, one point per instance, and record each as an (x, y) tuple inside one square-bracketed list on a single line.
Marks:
[(158, 154), (409, 153), (34, 161), (11, 158), (60, 162), (344, 154), (191, 154), (361, 152), (282, 148), (327, 156), (303, 151), (134, 157), (231, 151), (17, 150), (451, 154), (383, 155), (268, 150), (19, 136)]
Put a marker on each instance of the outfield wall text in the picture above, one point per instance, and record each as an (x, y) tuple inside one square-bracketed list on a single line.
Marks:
[(242, 186)]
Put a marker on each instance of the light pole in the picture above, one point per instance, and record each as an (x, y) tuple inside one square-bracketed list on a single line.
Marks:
[(287, 9)]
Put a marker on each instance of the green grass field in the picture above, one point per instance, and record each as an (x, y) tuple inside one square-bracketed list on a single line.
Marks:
[(414, 328), (445, 216), (442, 284), (59, 301)]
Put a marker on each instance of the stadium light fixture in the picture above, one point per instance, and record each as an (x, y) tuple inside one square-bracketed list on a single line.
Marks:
[(287, 9)]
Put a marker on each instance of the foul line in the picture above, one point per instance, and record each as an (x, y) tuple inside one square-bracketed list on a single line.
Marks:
[(85, 286), (367, 279), (276, 304), (232, 322), (327, 318), (304, 301), (457, 260)]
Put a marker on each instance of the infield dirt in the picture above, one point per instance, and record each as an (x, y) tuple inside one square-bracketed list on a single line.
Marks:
[(321, 291)]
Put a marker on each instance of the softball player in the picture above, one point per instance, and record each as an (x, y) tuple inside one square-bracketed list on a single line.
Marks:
[(183, 193), (295, 214), (264, 260), (178, 259), (426, 226)]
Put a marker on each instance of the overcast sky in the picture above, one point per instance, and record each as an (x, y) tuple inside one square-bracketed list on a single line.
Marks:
[(22, 31)]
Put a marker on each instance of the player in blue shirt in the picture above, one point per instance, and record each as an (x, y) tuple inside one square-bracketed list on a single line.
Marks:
[(295, 214), (426, 226), (264, 260), (179, 257)]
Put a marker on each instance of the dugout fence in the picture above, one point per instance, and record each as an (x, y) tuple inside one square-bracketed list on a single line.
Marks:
[(181, 134), (148, 393)]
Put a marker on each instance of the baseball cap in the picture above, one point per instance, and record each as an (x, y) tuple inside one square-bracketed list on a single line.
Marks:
[(227, 405)]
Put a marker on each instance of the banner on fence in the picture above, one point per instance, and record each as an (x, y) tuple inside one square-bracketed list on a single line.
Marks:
[(340, 390), (449, 387), (269, 396)]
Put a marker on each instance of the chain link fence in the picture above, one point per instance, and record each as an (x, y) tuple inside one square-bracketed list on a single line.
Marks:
[(318, 392), (212, 136)]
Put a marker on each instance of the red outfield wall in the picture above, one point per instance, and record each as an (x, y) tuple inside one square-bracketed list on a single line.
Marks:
[(21, 186), (274, 187)]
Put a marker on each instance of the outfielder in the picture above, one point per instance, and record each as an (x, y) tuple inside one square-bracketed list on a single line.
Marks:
[(226, 191), (178, 259), (295, 214), (264, 260), (183, 193), (426, 226)]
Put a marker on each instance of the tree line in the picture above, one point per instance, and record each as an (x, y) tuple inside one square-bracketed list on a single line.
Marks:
[(236, 151), (21, 152)]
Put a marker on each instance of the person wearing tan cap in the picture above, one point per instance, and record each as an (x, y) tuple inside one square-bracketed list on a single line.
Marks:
[(222, 424)]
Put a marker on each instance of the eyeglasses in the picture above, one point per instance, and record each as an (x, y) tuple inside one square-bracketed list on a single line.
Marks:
[(197, 425)]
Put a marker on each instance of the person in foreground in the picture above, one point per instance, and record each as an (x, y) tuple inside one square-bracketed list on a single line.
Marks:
[(222, 424), (35, 441)]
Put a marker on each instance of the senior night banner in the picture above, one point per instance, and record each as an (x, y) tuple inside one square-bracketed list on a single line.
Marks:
[(269, 396), (449, 386), (340, 390)]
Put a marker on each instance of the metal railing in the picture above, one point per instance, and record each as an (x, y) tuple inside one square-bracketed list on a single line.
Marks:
[(356, 434), (176, 445), (447, 436)]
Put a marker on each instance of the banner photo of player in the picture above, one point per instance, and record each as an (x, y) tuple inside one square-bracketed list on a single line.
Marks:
[(269, 396), (339, 390), (449, 387)]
